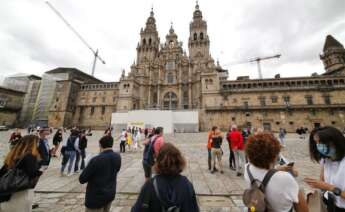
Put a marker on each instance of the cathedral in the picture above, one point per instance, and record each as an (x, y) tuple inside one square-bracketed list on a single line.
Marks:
[(165, 77)]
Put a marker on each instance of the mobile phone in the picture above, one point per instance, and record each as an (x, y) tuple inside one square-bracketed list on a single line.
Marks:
[(291, 163)]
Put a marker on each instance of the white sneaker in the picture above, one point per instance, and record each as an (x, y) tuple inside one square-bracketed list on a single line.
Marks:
[(69, 174)]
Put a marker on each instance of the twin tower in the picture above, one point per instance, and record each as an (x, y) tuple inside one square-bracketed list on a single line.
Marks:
[(149, 47)]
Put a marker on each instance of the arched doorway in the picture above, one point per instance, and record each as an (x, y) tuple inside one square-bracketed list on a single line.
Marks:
[(170, 101)]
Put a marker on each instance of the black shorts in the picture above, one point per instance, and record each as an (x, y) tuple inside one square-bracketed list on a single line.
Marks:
[(147, 170)]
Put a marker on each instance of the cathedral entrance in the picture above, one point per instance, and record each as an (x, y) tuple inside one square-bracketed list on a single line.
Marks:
[(170, 101)]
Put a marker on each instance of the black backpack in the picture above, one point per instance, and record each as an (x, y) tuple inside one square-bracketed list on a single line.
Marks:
[(149, 152), (164, 206)]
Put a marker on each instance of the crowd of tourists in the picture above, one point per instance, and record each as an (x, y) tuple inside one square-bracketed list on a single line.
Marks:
[(255, 155)]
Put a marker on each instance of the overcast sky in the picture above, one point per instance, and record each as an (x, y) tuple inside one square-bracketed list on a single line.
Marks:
[(34, 40)]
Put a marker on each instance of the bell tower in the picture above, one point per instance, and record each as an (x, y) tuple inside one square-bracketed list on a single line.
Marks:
[(198, 43), (148, 47), (333, 56)]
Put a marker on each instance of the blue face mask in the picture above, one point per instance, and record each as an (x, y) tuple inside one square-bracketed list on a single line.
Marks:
[(325, 150)]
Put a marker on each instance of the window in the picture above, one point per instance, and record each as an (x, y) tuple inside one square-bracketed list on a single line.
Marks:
[(57, 99), (309, 100), (150, 41), (201, 36), (103, 99), (233, 118), (274, 99), (103, 110), (286, 100), (246, 105), (144, 41), (92, 111), (262, 100), (170, 65), (94, 99), (195, 36), (170, 77), (327, 99)]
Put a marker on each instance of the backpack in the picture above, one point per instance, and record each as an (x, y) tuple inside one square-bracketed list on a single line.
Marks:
[(254, 197), (165, 208), (82, 143), (149, 152)]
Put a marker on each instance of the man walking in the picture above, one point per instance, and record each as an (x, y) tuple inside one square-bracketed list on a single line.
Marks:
[(237, 146), (81, 154), (100, 175), (232, 163), (123, 140)]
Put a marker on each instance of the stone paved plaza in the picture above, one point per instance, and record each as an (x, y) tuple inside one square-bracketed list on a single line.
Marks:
[(215, 192)]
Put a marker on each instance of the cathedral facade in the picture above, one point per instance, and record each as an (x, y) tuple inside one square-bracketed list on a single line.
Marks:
[(165, 77)]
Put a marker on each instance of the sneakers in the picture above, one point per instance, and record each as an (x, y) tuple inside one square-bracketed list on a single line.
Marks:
[(238, 174), (212, 172), (69, 174)]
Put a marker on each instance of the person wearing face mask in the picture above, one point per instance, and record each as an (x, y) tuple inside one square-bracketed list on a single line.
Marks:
[(327, 146)]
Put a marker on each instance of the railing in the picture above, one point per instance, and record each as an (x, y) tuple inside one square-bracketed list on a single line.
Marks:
[(275, 107)]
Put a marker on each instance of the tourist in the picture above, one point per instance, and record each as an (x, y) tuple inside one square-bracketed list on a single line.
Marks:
[(232, 163), (24, 156), (129, 139), (327, 146), (159, 140), (281, 134), (168, 189), (15, 137), (70, 152), (148, 155), (146, 132), (237, 146), (123, 140), (81, 153), (56, 141), (282, 192), (43, 147), (100, 175), (137, 140), (209, 147), (216, 151)]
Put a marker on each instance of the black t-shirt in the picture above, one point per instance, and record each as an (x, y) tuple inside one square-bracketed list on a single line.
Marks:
[(217, 142)]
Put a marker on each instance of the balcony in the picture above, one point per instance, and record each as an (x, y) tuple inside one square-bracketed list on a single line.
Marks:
[(274, 107)]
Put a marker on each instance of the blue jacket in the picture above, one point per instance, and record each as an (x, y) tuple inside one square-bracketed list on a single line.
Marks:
[(43, 149), (100, 175)]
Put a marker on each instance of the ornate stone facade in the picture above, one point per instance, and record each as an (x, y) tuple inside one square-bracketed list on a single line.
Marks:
[(165, 77)]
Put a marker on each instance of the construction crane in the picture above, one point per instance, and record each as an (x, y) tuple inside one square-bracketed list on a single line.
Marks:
[(258, 62), (95, 53)]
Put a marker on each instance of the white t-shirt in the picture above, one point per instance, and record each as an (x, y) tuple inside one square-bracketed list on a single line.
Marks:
[(123, 136), (281, 191), (334, 173)]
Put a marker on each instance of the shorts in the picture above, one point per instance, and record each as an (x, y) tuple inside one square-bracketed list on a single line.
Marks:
[(147, 170)]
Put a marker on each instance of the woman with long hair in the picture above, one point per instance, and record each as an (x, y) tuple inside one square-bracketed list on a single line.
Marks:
[(56, 141), (24, 156), (327, 146), (168, 189)]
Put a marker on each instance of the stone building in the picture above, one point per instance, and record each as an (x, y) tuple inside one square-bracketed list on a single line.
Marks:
[(10, 105), (165, 77)]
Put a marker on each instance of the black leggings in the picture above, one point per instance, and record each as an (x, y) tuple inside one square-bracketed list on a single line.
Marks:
[(123, 146)]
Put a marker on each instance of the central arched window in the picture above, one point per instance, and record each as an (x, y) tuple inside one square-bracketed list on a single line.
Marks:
[(195, 36), (170, 101), (170, 77), (150, 41), (201, 35)]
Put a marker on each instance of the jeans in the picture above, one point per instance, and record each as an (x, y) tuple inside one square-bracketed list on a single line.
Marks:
[(217, 153), (209, 159), (232, 162), (68, 158), (123, 146), (77, 159), (239, 158)]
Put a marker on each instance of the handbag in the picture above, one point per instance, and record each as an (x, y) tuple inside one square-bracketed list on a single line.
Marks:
[(16, 179)]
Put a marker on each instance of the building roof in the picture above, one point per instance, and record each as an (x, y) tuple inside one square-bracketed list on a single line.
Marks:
[(331, 42), (76, 72), (24, 75)]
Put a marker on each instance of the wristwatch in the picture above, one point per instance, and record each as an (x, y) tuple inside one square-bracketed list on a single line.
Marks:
[(336, 191)]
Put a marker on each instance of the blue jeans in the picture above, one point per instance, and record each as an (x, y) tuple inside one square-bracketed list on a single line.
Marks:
[(68, 158)]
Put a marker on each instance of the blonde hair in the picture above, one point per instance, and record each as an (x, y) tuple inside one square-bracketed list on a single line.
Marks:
[(26, 145)]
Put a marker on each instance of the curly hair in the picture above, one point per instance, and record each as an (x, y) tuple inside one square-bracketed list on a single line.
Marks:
[(169, 161), (262, 149)]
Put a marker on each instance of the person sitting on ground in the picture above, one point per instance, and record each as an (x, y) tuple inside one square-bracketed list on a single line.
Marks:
[(100, 174), (217, 151), (327, 146), (24, 156), (282, 191), (169, 188)]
